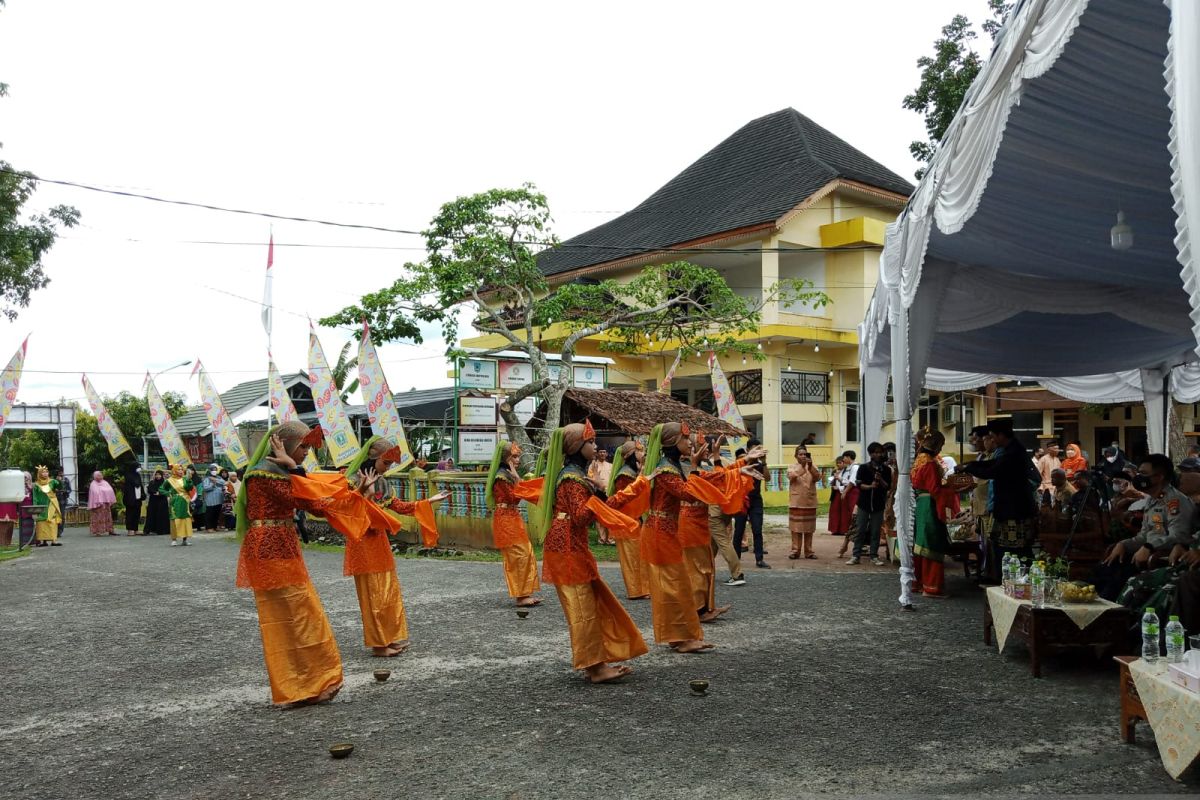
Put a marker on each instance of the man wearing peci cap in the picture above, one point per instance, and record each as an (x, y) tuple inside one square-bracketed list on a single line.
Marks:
[(1014, 512)]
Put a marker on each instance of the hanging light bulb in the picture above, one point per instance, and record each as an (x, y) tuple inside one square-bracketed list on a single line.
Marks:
[(816, 348), (831, 373), (789, 366), (760, 345), (1121, 234), (743, 361)]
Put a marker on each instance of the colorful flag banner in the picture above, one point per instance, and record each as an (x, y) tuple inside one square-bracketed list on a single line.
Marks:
[(339, 436), (381, 406), (283, 409), (224, 431), (727, 410), (108, 428), (267, 308), (168, 437), (665, 386), (10, 380)]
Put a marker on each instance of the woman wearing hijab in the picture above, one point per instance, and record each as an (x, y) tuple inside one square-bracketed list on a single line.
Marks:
[(369, 559), (158, 516), (1075, 461), (49, 513), (180, 492), (504, 493), (627, 465), (601, 629), (233, 484), (101, 499), (132, 494)]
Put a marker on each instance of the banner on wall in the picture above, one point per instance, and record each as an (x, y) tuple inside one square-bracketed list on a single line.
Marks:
[(339, 435), (224, 431), (108, 428), (381, 406), (168, 437), (10, 381), (282, 407)]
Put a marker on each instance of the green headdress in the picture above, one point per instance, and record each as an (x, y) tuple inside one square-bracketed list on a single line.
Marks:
[(542, 515), (239, 503), (357, 462), (617, 463), (493, 470), (653, 451)]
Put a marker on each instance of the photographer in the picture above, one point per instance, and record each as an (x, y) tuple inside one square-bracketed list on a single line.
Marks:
[(873, 480)]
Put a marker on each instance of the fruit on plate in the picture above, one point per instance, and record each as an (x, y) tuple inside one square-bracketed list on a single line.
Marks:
[(1078, 592)]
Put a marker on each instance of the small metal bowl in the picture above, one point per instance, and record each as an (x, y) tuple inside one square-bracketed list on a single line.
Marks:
[(341, 750), (522, 613), (382, 675), (699, 686)]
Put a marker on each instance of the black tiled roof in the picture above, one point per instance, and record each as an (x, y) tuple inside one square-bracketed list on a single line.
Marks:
[(766, 168)]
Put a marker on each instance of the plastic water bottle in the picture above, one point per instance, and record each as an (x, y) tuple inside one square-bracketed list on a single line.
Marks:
[(1006, 573), (1150, 636), (1037, 585), (1175, 634)]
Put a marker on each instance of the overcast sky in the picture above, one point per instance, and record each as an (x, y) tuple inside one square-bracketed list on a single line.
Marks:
[(376, 113)]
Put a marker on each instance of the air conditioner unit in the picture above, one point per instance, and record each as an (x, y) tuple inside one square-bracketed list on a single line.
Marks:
[(950, 414)]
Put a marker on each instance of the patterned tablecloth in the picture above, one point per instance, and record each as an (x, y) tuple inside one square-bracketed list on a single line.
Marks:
[(1173, 713), (1004, 611)]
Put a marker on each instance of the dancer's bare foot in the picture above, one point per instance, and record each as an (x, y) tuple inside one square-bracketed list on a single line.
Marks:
[(528, 601), (401, 646), (606, 673), (712, 616), (391, 651), (693, 646), (323, 697)]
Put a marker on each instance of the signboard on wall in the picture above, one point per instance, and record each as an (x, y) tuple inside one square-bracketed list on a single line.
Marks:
[(476, 446), (477, 373), (477, 411), (515, 374), (589, 377), (526, 409)]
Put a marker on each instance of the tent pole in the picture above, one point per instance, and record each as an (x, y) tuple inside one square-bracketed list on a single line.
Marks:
[(1166, 392)]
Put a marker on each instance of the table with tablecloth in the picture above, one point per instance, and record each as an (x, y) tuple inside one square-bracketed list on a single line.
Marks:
[(1173, 713)]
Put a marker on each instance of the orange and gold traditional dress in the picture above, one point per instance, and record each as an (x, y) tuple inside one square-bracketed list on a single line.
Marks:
[(370, 562), (601, 629), (298, 645), (511, 539), (676, 616), (629, 544), (930, 539)]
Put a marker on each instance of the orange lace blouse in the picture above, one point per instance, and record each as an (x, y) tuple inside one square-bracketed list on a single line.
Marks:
[(373, 552), (270, 554), (507, 526)]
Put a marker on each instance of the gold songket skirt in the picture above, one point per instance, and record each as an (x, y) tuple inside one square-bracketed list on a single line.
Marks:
[(382, 607), (520, 569), (298, 645), (672, 603), (601, 629), (633, 569), (702, 571)]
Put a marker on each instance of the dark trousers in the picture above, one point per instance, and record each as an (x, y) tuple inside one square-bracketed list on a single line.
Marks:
[(133, 515), (755, 516), (212, 517), (1110, 578), (869, 525), (62, 510)]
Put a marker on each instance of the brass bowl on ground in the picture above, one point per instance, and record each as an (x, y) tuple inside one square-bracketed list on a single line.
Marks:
[(699, 686), (341, 750), (382, 675), (522, 613)]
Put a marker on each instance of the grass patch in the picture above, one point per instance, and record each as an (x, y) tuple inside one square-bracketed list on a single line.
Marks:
[(9, 555), (822, 510)]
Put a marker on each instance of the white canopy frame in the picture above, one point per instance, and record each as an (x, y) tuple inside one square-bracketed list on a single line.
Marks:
[(1000, 263)]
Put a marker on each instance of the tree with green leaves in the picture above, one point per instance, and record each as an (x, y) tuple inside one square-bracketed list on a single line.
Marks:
[(482, 254), (947, 75), (341, 371), (23, 243), (28, 449)]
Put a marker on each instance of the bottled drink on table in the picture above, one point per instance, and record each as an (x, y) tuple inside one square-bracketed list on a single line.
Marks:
[(1175, 635), (1150, 636), (1006, 573), (1037, 585)]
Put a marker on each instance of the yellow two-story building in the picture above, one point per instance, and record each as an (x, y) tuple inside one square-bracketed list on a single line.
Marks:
[(781, 198)]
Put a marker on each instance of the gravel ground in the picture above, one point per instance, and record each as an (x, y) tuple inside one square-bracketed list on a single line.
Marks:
[(135, 670)]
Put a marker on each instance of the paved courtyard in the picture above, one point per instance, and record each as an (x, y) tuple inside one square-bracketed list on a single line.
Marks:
[(134, 670)]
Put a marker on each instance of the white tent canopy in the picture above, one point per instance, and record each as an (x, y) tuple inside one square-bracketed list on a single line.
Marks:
[(1001, 262)]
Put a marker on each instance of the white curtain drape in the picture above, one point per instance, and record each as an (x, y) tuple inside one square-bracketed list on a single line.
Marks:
[(1183, 90)]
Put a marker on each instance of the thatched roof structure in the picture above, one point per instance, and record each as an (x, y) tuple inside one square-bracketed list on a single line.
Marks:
[(634, 413)]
